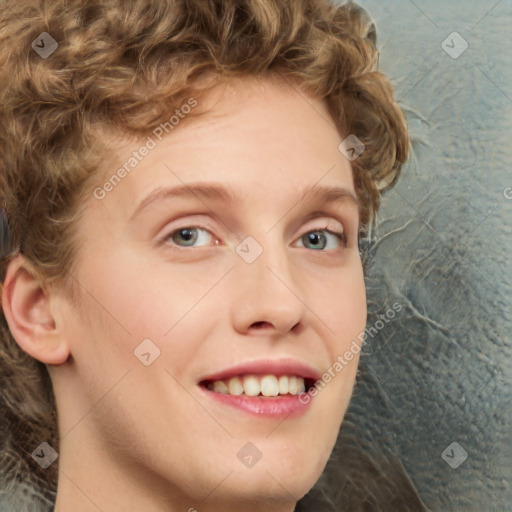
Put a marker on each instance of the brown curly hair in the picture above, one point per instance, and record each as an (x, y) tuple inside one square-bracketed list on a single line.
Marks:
[(120, 67)]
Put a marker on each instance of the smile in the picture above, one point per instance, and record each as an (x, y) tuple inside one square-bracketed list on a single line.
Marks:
[(263, 388), (259, 385)]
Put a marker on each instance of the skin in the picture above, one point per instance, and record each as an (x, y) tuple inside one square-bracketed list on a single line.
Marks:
[(137, 437)]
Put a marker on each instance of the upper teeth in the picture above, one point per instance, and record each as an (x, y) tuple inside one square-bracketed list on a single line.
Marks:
[(253, 385)]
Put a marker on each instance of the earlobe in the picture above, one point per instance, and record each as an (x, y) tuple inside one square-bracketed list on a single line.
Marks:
[(28, 311)]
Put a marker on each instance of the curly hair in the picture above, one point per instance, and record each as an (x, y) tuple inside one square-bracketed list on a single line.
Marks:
[(120, 67)]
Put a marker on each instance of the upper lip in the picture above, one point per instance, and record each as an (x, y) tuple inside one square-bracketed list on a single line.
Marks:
[(266, 367)]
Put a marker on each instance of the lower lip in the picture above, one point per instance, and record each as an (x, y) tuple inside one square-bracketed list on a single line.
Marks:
[(274, 407)]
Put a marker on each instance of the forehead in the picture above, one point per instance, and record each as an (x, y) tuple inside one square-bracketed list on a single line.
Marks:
[(262, 107), (256, 134)]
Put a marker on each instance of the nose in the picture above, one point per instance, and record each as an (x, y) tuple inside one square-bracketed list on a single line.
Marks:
[(268, 298)]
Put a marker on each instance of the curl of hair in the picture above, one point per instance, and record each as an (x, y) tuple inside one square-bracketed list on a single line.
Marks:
[(121, 66)]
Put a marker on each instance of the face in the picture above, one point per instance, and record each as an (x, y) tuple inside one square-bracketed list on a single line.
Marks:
[(228, 272)]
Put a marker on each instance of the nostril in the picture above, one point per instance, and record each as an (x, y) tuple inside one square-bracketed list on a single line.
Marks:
[(261, 324)]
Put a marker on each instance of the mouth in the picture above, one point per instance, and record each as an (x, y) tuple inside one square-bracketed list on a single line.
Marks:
[(253, 385), (265, 388)]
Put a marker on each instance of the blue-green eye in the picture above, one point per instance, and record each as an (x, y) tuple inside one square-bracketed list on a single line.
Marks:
[(188, 235), (317, 237)]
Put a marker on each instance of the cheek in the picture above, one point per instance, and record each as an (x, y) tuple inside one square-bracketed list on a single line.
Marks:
[(164, 294), (345, 307), (345, 310)]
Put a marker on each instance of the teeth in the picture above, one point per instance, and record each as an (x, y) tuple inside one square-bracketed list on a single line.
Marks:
[(254, 385), (292, 385), (220, 387), (269, 386), (251, 385), (283, 385), (295, 385), (234, 386)]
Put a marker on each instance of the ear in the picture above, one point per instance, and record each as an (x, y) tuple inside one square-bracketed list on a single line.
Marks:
[(28, 311)]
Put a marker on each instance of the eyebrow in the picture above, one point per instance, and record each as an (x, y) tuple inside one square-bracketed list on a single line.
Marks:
[(213, 191)]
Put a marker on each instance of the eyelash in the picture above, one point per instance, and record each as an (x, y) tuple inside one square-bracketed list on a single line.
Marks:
[(341, 236)]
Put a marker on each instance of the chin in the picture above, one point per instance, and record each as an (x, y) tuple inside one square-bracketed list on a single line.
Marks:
[(263, 486), (278, 479)]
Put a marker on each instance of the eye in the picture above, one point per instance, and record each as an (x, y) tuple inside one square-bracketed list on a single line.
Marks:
[(318, 236), (188, 236)]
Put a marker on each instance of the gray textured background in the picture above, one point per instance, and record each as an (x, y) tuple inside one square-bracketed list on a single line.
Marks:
[(441, 373)]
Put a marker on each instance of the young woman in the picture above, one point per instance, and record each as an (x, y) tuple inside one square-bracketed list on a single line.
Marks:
[(184, 184)]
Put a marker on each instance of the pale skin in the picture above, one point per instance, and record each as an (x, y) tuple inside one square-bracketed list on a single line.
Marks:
[(137, 437)]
